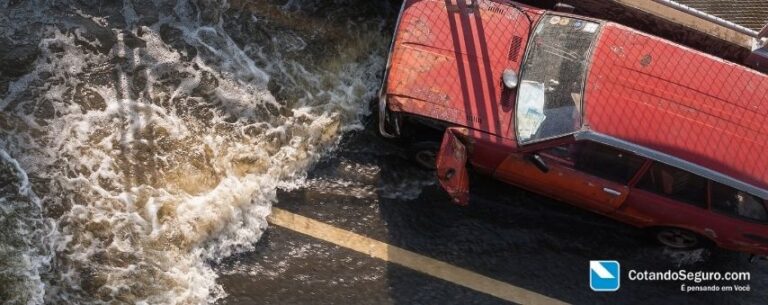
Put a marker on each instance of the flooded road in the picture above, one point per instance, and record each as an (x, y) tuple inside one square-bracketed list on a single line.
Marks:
[(141, 141), (520, 238), (143, 144)]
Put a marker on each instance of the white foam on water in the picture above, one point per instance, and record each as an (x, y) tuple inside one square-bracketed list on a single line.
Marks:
[(26, 235), (150, 163), (686, 257)]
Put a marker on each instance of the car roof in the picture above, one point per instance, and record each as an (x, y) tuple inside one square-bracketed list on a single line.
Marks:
[(679, 102)]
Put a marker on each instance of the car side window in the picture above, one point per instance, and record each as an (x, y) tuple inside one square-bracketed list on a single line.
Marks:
[(599, 160), (737, 203), (675, 183)]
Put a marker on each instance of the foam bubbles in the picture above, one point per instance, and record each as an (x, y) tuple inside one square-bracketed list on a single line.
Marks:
[(154, 144)]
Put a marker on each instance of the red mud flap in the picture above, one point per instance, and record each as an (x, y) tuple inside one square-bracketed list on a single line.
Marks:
[(451, 167)]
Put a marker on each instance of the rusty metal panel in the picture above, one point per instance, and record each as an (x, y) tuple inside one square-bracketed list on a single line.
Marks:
[(449, 57)]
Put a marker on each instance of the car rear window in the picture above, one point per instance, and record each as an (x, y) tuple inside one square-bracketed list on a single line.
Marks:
[(733, 202)]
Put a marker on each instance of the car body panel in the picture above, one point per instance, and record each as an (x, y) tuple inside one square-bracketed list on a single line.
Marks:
[(679, 101), (725, 231), (448, 58), (452, 166), (661, 101), (563, 183)]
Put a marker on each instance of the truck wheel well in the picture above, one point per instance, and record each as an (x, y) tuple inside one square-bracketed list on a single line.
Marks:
[(424, 154), (417, 129)]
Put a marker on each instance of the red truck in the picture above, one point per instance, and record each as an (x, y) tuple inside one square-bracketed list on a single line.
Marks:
[(593, 113)]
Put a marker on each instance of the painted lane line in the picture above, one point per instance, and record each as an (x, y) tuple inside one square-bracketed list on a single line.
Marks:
[(408, 259)]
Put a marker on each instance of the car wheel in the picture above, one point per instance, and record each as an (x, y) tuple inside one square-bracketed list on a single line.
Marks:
[(424, 154), (681, 239)]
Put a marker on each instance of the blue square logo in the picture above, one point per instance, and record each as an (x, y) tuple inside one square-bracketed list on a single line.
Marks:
[(604, 275)]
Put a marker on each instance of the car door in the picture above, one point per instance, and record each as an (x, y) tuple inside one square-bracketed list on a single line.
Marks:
[(452, 167), (584, 173)]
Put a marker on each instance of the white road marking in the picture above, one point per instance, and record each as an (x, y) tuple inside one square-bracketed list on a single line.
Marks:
[(408, 259)]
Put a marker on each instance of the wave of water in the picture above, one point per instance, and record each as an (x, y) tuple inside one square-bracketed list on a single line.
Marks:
[(140, 140)]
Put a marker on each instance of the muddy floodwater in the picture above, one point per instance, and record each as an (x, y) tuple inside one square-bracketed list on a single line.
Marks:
[(142, 141)]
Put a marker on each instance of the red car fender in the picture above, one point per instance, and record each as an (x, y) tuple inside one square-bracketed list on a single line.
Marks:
[(452, 166)]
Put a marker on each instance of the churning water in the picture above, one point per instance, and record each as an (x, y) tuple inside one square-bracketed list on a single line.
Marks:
[(141, 140)]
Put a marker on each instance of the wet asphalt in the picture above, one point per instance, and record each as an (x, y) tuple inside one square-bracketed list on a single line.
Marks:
[(370, 188)]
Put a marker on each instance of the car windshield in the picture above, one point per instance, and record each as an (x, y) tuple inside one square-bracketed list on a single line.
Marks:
[(552, 81)]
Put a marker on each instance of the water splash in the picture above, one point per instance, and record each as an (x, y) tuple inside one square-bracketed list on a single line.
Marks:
[(155, 142), (25, 234)]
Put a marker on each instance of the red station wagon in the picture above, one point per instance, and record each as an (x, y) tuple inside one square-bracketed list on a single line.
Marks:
[(590, 112)]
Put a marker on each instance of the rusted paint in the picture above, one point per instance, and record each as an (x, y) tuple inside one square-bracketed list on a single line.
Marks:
[(451, 168), (646, 60), (448, 65), (418, 31)]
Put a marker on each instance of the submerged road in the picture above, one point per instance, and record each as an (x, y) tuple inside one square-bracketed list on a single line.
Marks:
[(411, 260), (141, 144), (537, 248)]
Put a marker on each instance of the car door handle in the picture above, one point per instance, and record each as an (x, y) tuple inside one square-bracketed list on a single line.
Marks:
[(611, 191)]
